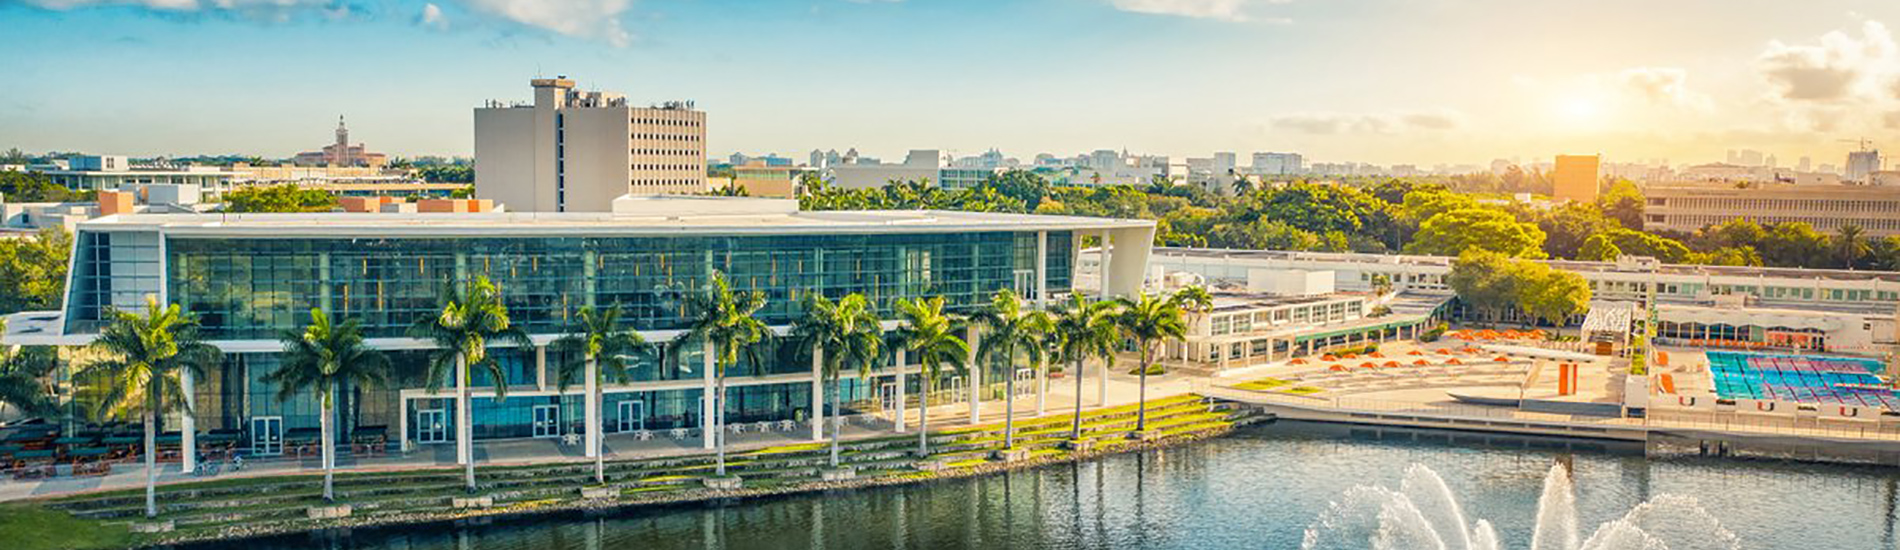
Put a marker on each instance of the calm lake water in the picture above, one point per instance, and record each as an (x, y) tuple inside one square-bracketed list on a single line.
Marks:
[(1258, 488)]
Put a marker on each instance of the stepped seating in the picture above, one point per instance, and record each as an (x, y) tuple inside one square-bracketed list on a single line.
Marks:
[(210, 505)]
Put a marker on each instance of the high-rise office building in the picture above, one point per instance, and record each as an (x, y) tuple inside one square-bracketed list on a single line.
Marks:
[(1862, 164), (1278, 164), (575, 151), (1576, 177)]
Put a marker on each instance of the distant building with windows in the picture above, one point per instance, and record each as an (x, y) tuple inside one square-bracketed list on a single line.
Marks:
[(1861, 165), (576, 151), (1688, 207), (1278, 164), (112, 172), (341, 153)]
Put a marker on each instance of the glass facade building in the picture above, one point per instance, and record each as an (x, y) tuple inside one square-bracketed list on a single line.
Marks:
[(250, 278)]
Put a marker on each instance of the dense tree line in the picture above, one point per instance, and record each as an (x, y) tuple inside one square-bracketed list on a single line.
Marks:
[(36, 187), (279, 198)]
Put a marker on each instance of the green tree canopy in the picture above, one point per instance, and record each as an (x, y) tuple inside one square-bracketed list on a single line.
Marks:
[(1454, 232), (279, 198), (33, 270), (1623, 203)]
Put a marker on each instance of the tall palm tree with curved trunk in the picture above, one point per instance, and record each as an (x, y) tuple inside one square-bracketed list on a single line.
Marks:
[(1010, 328), (1084, 328), (842, 333), (468, 317), (145, 355), (932, 335), (320, 358), (1150, 320), (722, 319), (596, 351)]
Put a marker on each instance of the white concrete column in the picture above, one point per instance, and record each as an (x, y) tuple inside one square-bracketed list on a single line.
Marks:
[(1042, 389), (1105, 256), (901, 352), (1042, 269), (817, 394), (541, 367), (708, 403), (402, 423), (975, 379), (188, 424), (592, 403)]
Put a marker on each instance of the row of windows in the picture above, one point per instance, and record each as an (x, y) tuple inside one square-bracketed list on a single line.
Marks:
[(666, 137), (674, 122), (1697, 221), (667, 152), (256, 288), (666, 182), (664, 167), (1300, 314), (1783, 205)]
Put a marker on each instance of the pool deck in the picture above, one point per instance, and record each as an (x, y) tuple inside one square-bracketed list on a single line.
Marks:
[(1422, 398)]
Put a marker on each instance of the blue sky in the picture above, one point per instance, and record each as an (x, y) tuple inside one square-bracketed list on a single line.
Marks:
[(1389, 81)]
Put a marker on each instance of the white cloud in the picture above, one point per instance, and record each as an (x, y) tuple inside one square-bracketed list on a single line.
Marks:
[(1837, 67), (432, 17), (1367, 123), (590, 19), (1665, 86), (1224, 10)]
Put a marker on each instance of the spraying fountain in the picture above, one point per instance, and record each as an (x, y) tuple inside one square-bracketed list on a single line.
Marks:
[(1423, 514)]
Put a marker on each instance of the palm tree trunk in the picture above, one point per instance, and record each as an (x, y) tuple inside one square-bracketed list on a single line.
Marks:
[(1009, 400), (923, 420), (835, 413), (464, 434), (151, 462), (719, 421), (329, 445), (1141, 407), (1075, 432), (600, 431)]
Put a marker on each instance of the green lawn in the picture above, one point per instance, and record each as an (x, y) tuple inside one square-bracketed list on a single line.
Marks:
[(28, 527)]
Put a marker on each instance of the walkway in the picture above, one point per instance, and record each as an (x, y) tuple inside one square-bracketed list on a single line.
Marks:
[(1122, 390)]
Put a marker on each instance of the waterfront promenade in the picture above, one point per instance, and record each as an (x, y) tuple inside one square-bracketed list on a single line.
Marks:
[(1060, 401)]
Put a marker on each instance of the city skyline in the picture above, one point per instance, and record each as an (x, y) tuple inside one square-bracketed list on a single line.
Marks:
[(1174, 77)]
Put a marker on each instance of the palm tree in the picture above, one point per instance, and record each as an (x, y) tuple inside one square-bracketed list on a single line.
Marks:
[(1083, 329), (23, 375), (845, 332), (597, 351), (1194, 301), (1149, 320), (932, 335), (321, 357), (145, 357), (722, 320), (1241, 185), (1851, 245), (468, 317), (1009, 327)]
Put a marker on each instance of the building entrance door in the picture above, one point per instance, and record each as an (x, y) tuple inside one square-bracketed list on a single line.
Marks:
[(547, 420), (432, 426), (633, 416), (267, 436)]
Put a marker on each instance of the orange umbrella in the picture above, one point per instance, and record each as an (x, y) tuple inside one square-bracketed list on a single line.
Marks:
[(1297, 361), (1454, 361), (1391, 364), (1376, 354), (1502, 359), (1328, 357), (1444, 351), (1415, 352), (1421, 362), (1338, 368), (1367, 365)]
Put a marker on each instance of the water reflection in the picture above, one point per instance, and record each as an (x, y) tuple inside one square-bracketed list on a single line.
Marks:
[(1256, 489)]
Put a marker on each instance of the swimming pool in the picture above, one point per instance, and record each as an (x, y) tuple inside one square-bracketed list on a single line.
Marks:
[(1802, 378)]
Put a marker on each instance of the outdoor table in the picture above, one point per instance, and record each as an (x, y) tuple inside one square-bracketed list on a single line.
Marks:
[(87, 452), (37, 454), (218, 438), (170, 439), (70, 441), (123, 440)]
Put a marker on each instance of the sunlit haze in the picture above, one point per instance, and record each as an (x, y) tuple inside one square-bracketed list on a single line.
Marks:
[(1382, 81)]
